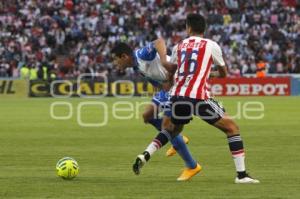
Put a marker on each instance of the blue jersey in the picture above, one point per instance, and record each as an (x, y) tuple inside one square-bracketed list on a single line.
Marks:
[(149, 65)]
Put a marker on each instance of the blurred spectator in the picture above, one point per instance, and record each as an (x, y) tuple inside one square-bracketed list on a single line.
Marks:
[(63, 38), (234, 71), (24, 72), (261, 68)]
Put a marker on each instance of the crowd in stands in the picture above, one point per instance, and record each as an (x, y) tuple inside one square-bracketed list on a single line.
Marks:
[(64, 38)]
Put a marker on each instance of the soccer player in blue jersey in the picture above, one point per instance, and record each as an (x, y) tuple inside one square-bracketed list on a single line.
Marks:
[(151, 62)]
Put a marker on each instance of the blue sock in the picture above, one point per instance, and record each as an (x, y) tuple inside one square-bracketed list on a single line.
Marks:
[(182, 150), (156, 123), (179, 144)]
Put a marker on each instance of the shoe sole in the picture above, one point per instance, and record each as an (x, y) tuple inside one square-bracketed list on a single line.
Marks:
[(246, 182)]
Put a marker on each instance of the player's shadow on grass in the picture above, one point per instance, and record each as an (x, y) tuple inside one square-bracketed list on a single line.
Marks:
[(133, 180)]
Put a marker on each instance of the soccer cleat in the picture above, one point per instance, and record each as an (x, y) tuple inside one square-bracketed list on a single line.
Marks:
[(246, 180), (171, 151), (138, 164), (189, 173)]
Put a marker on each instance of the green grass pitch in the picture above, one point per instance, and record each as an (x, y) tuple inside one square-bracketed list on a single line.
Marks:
[(32, 142)]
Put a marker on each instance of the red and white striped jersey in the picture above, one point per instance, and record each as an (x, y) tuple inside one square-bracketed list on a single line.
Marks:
[(194, 57)]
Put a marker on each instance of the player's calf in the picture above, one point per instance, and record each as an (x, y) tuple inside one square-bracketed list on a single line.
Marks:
[(227, 125)]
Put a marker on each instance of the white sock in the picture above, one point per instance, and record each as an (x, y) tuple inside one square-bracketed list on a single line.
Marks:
[(153, 146), (237, 150), (239, 162)]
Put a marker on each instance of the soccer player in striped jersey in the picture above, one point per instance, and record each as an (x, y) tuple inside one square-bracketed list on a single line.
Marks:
[(148, 62), (192, 59)]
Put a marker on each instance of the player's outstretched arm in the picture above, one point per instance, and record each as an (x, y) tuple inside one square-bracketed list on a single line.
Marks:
[(161, 49)]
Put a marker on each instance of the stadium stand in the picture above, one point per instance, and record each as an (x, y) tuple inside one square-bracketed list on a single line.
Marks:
[(63, 38)]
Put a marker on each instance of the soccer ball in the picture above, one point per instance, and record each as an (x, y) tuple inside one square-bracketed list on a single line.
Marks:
[(67, 168)]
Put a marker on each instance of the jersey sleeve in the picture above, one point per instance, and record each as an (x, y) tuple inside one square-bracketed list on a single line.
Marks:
[(147, 53), (174, 55), (217, 55)]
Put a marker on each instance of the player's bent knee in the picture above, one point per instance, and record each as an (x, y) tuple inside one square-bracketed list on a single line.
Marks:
[(147, 117), (150, 111), (177, 129)]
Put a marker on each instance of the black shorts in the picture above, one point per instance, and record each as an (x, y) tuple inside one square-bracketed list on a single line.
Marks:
[(183, 109)]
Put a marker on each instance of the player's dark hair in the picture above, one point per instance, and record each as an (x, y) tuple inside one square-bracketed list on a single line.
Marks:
[(122, 48), (196, 22)]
